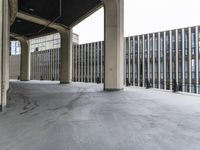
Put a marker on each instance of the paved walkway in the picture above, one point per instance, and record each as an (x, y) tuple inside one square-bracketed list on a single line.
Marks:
[(50, 116)]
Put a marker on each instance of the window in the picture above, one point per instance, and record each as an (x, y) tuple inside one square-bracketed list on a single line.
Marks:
[(15, 48), (179, 40), (186, 42), (162, 46), (173, 41), (193, 69)]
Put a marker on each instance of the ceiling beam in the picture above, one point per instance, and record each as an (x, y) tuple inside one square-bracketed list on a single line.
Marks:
[(13, 8), (41, 21), (18, 36)]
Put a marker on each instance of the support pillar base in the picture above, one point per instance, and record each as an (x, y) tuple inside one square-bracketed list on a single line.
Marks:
[(112, 90), (65, 82), (2, 108), (24, 80)]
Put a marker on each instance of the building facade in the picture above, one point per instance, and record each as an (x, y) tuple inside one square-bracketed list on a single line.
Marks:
[(160, 60), (88, 62), (164, 59)]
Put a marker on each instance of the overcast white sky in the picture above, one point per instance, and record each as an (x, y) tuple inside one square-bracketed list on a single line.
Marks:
[(144, 16)]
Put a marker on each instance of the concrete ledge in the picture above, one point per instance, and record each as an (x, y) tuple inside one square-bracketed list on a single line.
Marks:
[(24, 80)]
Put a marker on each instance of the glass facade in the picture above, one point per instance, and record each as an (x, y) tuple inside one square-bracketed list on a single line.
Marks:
[(169, 57), (163, 59)]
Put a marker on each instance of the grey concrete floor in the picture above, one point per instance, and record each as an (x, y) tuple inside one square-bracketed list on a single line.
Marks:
[(50, 116)]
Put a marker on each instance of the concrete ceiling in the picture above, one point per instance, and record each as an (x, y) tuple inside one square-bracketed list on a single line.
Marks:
[(67, 12)]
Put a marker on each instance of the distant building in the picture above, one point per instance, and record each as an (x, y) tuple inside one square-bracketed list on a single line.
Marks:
[(160, 60), (164, 60)]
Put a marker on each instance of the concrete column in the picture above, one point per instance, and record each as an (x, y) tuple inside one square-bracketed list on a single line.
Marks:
[(197, 58), (165, 67), (4, 52), (114, 43), (1, 49), (66, 56), (183, 60), (25, 60)]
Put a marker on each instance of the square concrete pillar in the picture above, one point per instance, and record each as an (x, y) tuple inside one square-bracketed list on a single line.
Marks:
[(25, 60), (66, 56), (4, 52), (114, 44)]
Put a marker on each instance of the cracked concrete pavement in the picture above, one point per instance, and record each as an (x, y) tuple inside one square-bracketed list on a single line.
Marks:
[(49, 116)]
